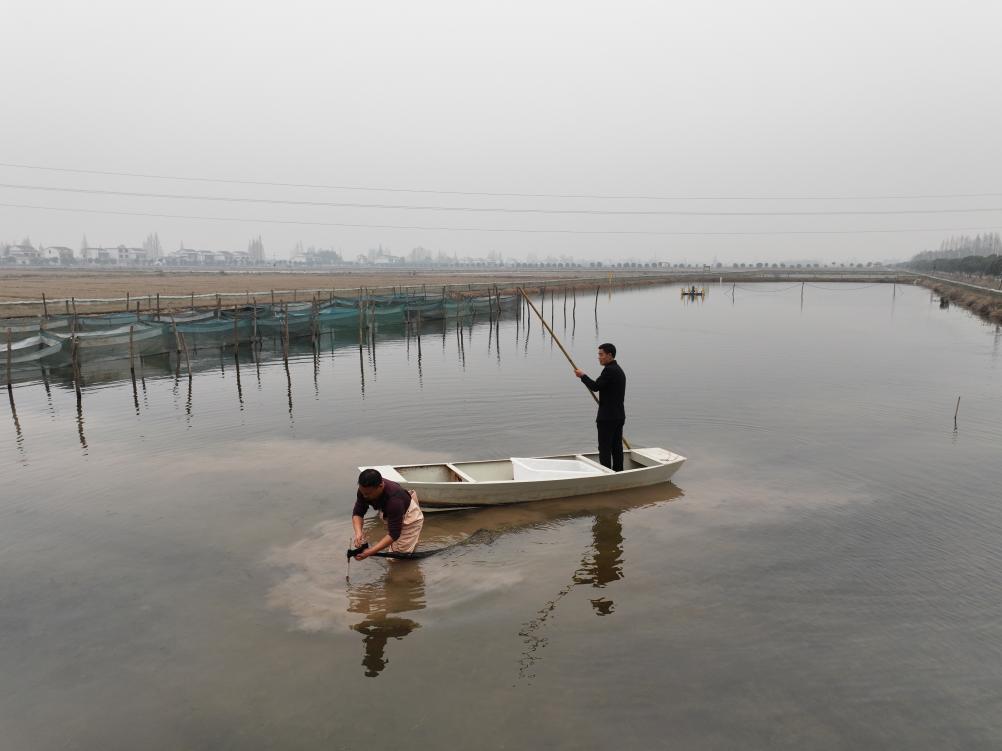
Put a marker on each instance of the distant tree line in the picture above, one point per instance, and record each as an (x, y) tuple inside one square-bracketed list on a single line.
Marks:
[(981, 254), (983, 265), (987, 244)]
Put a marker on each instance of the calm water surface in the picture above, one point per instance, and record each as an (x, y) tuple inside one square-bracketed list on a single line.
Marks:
[(823, 574)]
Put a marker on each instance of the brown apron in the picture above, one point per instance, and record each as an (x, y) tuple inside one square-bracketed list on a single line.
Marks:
[(413, 522)]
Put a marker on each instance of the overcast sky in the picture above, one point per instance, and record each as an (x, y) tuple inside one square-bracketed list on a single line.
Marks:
[(636, 106)]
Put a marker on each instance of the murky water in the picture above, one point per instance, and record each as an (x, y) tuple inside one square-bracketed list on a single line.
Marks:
[(824, 573)]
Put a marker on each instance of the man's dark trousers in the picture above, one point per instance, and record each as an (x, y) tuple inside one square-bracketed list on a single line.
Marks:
[(610, 444)]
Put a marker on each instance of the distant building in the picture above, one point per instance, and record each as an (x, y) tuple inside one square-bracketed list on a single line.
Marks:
[(22, 255), (60, 254)]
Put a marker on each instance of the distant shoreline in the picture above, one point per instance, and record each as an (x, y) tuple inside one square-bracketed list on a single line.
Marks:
[(239, 286)]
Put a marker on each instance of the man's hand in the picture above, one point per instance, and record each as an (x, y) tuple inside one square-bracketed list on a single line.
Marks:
[(358, 540), (578, 372), (363, 555)]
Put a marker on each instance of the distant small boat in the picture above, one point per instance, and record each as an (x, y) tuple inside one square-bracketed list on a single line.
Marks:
[(519, 480), (693, 292)]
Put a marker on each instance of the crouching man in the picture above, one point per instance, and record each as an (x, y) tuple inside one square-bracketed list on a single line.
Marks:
[(398, 508)]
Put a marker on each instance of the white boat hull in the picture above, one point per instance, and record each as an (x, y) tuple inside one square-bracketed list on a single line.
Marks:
[(491, 483)]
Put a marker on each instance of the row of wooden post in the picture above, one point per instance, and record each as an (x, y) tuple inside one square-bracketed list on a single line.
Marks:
[(365, 316)]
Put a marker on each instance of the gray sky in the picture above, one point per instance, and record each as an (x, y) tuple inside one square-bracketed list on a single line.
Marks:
[(684, 100)]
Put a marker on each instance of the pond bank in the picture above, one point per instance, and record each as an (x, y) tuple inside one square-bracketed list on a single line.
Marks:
[(983, 301)]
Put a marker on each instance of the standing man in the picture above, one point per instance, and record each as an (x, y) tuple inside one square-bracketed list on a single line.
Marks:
[(398, 507), (611, 388)]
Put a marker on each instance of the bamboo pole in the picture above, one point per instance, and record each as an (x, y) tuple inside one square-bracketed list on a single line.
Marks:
[(559, 344), (158, 306), (127, 304), (45, 308)]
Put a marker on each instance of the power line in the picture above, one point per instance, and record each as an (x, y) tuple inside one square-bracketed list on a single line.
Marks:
[(499, 229), (488, 194), (488, 209)]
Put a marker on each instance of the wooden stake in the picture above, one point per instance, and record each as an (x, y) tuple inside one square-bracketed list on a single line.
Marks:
[(158, 306), (184, 347), (127, 304), (45, 308), (75, 362), (10, 358), (285, 336), (177, 343), (132, 362)]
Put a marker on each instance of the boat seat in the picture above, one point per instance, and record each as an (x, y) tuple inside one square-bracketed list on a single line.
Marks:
[(460, 473)]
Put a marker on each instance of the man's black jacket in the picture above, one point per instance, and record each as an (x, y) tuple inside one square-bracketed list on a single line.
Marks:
[(611, 388)]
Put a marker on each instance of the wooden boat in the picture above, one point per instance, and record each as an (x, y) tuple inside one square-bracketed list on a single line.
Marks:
[(519, 480), (693, 292)]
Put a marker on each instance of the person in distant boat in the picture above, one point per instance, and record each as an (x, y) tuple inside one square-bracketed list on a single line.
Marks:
[(399, 509), (611, 388)]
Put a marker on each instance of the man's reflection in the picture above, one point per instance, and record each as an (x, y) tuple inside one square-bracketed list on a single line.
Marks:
[(400, 590), (604, 563)]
